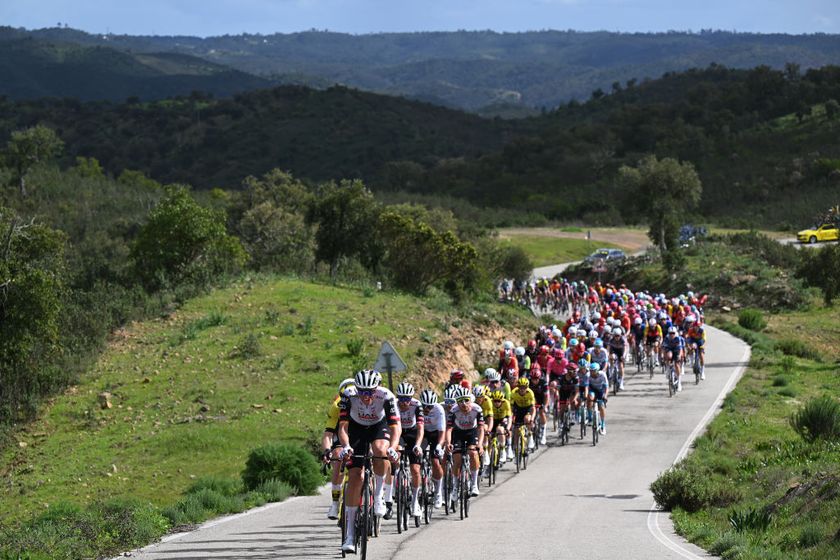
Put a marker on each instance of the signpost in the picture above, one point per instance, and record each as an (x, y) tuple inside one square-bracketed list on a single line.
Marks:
[(388, 360), (599, 266)]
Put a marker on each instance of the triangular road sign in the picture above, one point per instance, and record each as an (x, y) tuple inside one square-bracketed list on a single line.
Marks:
[(388, 358)]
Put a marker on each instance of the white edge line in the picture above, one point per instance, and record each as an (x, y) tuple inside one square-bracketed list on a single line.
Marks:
[(214, 523), (653, 516)]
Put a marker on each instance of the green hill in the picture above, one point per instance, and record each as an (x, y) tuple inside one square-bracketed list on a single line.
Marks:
[(191, 395), (472, 69), (33, 69)]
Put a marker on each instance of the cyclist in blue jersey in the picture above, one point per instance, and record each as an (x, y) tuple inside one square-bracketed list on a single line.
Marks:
[(598, 389), (673, 347)]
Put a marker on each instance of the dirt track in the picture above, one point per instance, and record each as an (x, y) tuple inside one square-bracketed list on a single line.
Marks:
[(630, 239)]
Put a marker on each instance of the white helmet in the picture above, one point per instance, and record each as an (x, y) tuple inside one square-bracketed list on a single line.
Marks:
[(508, 345), (368, 379), (478, 391), (450, 392), (637, 321), (428, 397), (596, 316), (593, 334), (618, 330), (520, 351), (346, 384), (556, 333), (491, 374), (652, 322), (405, 389), (462, 393)]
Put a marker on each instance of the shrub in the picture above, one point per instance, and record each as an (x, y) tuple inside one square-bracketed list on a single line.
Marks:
[(818, 419), (275, 490), (750, 519), (283, 462), (781, 381), (726, 542), (355, 347), (796, 347), (133, 522), (788, 392), (223, 485), (752, 319), (810, 535), (681, 487), (249, 347)]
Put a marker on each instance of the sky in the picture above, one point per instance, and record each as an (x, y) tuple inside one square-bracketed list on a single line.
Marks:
[(218, 17)]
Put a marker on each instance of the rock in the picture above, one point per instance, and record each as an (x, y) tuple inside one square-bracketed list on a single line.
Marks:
[(146, 380), (105, 400), (22, 444), (257, 406), (204, 408), (113, 467), (726, 308)]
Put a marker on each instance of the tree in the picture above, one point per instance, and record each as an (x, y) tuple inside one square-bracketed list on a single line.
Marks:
[(822, 269), (345, 214), (31, 287), (28, 147), (277, 239), (184, 242), (832, 108), (667, 189), (418, 256)]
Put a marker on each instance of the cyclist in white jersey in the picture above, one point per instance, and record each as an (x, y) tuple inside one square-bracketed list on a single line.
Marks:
[(435, 433), (368, 418), (412, 422), (465, 423)]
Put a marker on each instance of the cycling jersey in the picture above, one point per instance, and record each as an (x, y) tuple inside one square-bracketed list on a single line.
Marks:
[(487, 408), (519, 400), (599, 381), (411, 416), (502, 411), (333, 415), (600, 356), (653, 332), (674, 343), (383, 406), (468, 420), (435, 419), (566, 386), (697, 334), (583, 380), (540, 390)]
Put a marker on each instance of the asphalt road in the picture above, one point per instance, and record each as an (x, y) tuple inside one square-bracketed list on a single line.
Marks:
[(576, 501)]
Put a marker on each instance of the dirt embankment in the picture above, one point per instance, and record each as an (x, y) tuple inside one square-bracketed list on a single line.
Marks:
[(466, 349)]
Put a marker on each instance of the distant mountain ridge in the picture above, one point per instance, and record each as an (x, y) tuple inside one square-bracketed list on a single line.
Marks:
[(471, 70), (33, 68)]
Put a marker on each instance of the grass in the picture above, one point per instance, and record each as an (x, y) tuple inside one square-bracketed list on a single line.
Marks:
[(253, 369), (554, 250), (751, 446)]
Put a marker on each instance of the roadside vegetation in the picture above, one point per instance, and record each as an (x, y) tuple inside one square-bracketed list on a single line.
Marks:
[(544, 250), (763, 482)]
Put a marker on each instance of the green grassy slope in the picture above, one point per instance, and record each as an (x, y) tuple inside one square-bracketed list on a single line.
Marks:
[(187, 403)]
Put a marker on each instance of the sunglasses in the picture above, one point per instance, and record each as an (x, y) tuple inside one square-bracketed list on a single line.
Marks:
[(463, 401), (365, 392), (404, 399), (497, 401)]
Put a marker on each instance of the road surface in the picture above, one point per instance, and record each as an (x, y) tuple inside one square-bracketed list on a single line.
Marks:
[(572, 502)]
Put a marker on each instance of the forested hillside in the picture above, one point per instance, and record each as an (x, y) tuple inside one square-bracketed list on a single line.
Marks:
[(32, 69), (216, 143), (764, 142), (473, 69)]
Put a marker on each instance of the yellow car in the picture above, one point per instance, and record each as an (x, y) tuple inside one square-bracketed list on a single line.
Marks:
[(826, 232)]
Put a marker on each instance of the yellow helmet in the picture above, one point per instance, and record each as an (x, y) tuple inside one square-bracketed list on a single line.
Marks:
[(497, 395), (523, 382)]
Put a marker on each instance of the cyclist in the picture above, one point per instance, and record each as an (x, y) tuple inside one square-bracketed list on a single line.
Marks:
[(618, 348), (674, 349), (481, 394), (532, 352), (599, 354), (368, 418), (434, 424), (465, 423), (567, 389), (637, 336), (696, 337), (330, 446), (456, 377), (412, 421), (653, 339), (598, 389), (504, 354), (494, 381), (539, 385), (501, 420), (523, 362), (449, 397), (524, 403), (583, 386)]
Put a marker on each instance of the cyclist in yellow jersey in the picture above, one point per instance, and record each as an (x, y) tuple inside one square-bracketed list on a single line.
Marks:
[(524, 405), (501, 421), (482, 399), (330, 446)]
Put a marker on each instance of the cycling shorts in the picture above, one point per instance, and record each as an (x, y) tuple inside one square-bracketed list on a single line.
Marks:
[(618, 352), (582, 392), (567, 394), (431, 438), (519, 414), (458, 435), (360, 437), (597, 394), (408, 440), (698, 341)]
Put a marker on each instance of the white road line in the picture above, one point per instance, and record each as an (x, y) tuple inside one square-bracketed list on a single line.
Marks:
[(653, 525)]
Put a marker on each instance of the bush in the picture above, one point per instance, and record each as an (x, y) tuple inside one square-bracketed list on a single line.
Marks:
[(223, 485), (275, 490), (788, 392), (750, 519), (818, 419), (810, 535), (725, 543), (796, 347), (285, 463), (752, 319), (355, 347), (781, 381), (249, 347), (680, 487)]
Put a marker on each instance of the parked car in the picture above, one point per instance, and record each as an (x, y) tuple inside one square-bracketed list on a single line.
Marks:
[(608, 255)]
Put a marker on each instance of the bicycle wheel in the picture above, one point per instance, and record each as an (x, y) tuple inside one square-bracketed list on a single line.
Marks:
[(406, 498), (526, 434), (447, 483), (491, 455), (363, 516), (670, 381), (595, 421), (342, 517), (495, 461), (582, 421)]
